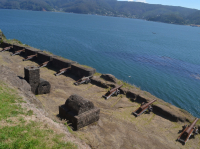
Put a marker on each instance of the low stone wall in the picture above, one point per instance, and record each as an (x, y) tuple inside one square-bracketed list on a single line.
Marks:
[(161, 108), (18, 47), (31, 51), (1, 35), (43, 57), (59, 63), (81, 71), (5, 44)]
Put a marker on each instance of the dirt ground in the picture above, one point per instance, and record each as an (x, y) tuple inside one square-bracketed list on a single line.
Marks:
[(117, 127)]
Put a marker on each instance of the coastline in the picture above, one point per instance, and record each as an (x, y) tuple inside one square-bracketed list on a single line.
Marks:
[(127, 89), (158, 128)]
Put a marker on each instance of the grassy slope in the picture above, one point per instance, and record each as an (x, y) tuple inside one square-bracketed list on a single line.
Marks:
[(18, 131)]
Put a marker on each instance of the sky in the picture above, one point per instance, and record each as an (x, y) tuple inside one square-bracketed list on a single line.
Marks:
[(184, 3)]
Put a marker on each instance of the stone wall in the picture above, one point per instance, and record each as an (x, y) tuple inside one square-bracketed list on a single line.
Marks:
[(1, 35), (5, 44), (31, 51), (81, 71), (59, 63), (17, 47), (43, 57)]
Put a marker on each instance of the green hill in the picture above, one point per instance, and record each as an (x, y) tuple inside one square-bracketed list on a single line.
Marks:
[(151, 12)]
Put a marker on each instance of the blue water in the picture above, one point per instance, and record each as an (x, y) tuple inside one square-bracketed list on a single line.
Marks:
[(162, 59)]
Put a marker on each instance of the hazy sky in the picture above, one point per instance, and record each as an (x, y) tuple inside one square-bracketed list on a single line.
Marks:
[(184, 3)]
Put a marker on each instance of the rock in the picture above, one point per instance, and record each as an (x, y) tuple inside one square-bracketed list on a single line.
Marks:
[(79, 111), (109, 77), (44, 87), (78, 104)]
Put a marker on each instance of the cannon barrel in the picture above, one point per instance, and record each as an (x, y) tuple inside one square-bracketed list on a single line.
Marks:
[(6, 48), (44, 64), (147, 104), (112, 90), (18, 52), (29, 57), (191, 126)]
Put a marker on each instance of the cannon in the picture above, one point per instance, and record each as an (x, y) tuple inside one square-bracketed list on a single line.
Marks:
[(144, 107), (62, 71), (187, 131), (6, 48), (114, 91), (18, 52), (43, 64), (30, 57), (85, 80)]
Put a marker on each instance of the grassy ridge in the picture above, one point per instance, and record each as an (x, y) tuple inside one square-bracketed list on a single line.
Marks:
[(18, 131)]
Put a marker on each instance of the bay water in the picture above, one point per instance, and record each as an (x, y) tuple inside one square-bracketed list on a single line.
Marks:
[(162, 59)]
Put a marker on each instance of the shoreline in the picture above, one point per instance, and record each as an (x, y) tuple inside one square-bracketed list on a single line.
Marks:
[(159, 128), (192, 25), (103, 83)]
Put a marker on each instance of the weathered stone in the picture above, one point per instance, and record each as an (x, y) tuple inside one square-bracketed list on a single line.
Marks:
[(79, 121), (109, 77), (44, 87), (43, 57), (78, 104), (5, 44), (59, 63), (8, 76), (31, 51), (79, 111), (17, 47), (1, 35), (32, 76), (167, 113), (81, 71)]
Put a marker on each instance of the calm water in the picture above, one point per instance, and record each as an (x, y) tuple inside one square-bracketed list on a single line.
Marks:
[(162, 59)]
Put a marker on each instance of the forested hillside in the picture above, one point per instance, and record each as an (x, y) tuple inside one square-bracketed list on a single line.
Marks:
[(151, 12)]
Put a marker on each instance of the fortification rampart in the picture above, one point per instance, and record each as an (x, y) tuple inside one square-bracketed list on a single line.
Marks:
[(79, 71)]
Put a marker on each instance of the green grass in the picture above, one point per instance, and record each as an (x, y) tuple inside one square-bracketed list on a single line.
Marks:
[(17, 132), (97, 74)]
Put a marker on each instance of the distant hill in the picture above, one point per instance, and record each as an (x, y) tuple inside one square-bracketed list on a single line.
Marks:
[(150, 12)]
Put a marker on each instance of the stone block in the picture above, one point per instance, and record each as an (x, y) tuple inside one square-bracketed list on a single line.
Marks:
[(81, 71), (32, 76), (44, 87), (59, 63), (78, 104), (79, 121), (79, 111), (43, 57)]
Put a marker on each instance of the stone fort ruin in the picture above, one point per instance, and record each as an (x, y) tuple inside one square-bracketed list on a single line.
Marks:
[(79, 111)]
